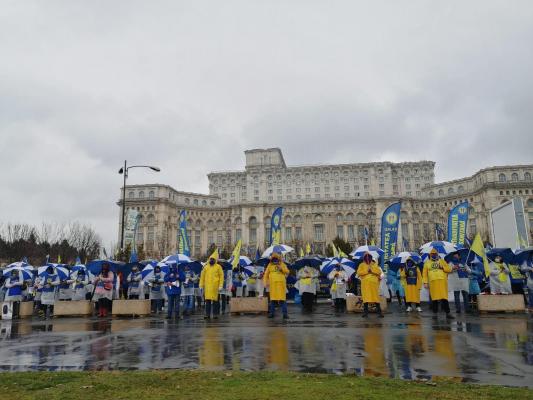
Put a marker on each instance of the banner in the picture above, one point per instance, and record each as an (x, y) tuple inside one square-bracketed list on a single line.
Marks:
[(389, 231), (130, 226), (457, 220), (183, 238), (275, 227)]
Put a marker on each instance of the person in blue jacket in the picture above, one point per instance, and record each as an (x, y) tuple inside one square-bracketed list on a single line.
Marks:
[(476, 273), (14, 291), (173, 281)]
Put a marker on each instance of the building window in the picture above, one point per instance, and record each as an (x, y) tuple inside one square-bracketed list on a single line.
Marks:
[(527, 176), (238, 235), (340, 231), (351, 233), (288, 234), (141, 195), (253, 229), (131, 195), (514, 177), (502, 178), (151, 194), (319, 232), (298, 233)]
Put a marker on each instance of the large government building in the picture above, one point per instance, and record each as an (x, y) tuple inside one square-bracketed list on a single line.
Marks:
[(320, 202)]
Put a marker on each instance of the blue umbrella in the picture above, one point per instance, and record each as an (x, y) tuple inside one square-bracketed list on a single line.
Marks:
[(176, 259), (311, 261), (148, 271), (243, 261), (226, 265), (278, 248), (505, 253), (463, 253), (330, 264), (194, 266), (24, 268), (400, 258), (95, 266), (263, 261), (62, 272), (522, 255), (375, 251)]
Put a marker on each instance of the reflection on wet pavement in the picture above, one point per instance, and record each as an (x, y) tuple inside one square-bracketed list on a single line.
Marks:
[(488, 349)]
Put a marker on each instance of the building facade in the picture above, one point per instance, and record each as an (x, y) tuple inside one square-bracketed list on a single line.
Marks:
[(320, 202)]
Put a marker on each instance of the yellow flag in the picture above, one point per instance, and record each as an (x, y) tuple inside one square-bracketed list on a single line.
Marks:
[(302, 252), (236, 254), (372, 242), (477, 247), (307, 249), (335, 250), (59, 259), (342, 254)]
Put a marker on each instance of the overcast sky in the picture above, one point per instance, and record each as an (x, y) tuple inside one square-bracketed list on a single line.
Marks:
[(188, 86)]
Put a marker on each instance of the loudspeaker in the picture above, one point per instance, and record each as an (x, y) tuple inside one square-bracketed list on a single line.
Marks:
[(7, 310)]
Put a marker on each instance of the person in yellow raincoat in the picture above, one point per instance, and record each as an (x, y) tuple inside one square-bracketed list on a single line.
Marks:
[(370, 274), (435, 276), (211, 281), (275, 279), (410, 274)]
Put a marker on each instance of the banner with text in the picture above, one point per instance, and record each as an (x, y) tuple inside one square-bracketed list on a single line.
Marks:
[(275, 226), (389, 231), (457, 220)]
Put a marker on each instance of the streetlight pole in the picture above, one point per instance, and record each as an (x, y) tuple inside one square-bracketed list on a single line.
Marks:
[(124, 171)]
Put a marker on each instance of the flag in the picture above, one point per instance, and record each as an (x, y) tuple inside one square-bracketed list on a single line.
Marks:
[(275, 226), (214, 254), (457, 220), (372, 242), (477, 248), (257, 254), (307, 249), (302, 252), (235, 257), (183, 238), (133, 257), (439, 231), (468, 242), (78, 261), (390, 221), (405, 244), (365, 233), (342, 254), (59, 259)]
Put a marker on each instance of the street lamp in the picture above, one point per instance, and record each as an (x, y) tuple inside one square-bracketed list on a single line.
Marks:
[(124, 171)]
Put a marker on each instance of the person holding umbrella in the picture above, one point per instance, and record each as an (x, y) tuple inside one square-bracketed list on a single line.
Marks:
[(187, 291), (49, 281), (459, 283), (370, 274), (499, 277), (104, 290), (275, 280), (413, 283), (435, 277), (80, 285), (156, 291), (306, 285), (212, 281), (173, 280), (13, 295), (339, 281)]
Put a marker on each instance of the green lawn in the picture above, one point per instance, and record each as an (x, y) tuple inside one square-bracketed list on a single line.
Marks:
[(235, 386)]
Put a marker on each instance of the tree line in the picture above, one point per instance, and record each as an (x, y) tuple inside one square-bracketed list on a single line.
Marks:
[(65, 240)]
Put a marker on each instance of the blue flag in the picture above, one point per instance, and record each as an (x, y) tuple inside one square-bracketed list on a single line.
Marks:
[(275, 226), (183, 238), (365, 232), (440, 232), (389, 231), (457, 220)]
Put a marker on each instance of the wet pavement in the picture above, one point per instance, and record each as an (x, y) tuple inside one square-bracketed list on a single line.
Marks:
[(485, 349)]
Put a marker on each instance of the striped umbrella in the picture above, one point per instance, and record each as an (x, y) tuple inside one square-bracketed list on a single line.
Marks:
[(401, 258), (176, 259), (278, 248), (25, 270), (331, 263), (375, 251), (443, 248), (147, 272)]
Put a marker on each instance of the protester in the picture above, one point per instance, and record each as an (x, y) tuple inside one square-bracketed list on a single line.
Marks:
[(187, 290), (251, 284), (104, 290), (370, 274), (173, 281), (517, 279), (65, 290), (306, 286), (413, 283), (499, 277), (339, 280), (80, 286), (227, 290), (134, 283), (459, 283), (49, 281), (239, 283), (275, 280), (527, 270), (156, 290), (212, 281), (435, 277), (474, 290), (13, 295), (396, 288)]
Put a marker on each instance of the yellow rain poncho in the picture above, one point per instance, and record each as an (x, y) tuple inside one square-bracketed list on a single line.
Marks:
[(276, 278), (212, 278), (435, 274), (370, 275), (412, 291)]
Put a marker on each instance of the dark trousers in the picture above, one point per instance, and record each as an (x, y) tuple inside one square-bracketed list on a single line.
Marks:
[(413, 304), (251, 293), (445, 306), (307, 301), (173, 305), (157, 305), (214, 305), (457, 300), (104, 304), (133, 297), (365, 308), (223, 303), (340, 305), (272, 306), (47, 309)]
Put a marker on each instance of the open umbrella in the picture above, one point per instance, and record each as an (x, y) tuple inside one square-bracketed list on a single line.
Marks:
[(147, 272), (194, 266), (243, 261), (330, 264), (443, 248), (95, 266), (504, 252), (310, 261), (277, 248), (375, 251), (522, 255), (24, 269), (176, 259), (76, 270), (62, 272)]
